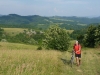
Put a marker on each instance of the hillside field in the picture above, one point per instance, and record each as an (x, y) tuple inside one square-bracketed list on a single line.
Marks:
[(21, 59), (13, 31)]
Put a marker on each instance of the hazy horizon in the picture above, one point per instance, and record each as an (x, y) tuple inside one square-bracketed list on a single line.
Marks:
[(78, 8)]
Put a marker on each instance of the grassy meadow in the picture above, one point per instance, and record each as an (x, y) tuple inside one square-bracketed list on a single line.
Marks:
[(21, 59), (70, 31), (13, 31)]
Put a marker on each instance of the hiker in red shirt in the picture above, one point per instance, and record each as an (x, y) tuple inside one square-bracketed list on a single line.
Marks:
[(77, 50)]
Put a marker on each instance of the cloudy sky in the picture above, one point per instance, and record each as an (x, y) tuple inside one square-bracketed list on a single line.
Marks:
[(89, 8)]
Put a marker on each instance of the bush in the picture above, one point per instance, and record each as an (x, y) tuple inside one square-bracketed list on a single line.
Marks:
[(57, 38), (39, 48)]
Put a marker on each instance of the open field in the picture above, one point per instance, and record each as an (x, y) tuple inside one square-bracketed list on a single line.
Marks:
[(70, 31), (20, 59), (13, 31), (16, 46)]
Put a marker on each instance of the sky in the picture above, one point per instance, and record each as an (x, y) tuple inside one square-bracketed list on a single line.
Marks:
[(79, 8)]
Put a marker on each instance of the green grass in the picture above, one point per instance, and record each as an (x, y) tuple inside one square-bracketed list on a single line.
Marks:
[(13, 31), (82, 24), (20, 59), (70, 31), (16, 46)]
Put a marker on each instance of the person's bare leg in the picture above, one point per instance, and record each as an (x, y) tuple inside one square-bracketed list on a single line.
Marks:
[(77, 61)]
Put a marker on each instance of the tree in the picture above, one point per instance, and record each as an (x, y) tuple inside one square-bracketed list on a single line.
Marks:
[(57, 38), (1, 33), (97, 36), (92, 37), (78, 34), (89, 38), (80, 38)]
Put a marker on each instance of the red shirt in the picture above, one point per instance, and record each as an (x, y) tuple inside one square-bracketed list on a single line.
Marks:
[(77, 49)]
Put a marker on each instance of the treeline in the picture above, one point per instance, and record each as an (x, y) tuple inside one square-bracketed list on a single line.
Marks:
[(40, 22), (30, 36), (89, 37), (84, 20), (55, 37), (92, 37)]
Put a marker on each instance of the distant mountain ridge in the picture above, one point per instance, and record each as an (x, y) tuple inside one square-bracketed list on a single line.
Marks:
[(36, 21), (0, 15), (17, 19), (85, 20)]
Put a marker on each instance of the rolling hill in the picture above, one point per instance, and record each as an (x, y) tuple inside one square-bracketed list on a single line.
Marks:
[(41, 22)]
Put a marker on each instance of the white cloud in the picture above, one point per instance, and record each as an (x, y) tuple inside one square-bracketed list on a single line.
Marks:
[(55, 9)]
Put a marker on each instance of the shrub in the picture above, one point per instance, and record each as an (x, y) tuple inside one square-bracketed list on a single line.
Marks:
[(57, 38), (39, 48)]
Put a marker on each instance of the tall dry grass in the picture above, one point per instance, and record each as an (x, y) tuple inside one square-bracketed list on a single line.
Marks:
[(30, 62), (26, 60)]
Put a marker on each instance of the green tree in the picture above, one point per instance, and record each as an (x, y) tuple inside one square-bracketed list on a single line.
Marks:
[(92, 37), (97, 36), (78, 34), (89, 37), (1, 33), (80, 38), (57, 38)]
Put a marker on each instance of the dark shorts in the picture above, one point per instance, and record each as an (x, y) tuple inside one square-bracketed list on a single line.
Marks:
[(78, 55)]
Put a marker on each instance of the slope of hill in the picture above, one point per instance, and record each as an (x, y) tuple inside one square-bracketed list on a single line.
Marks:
[(36, 21), (20, 59)]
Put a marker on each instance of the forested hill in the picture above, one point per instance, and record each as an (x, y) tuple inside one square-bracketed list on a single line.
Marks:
[(17, 19), (41, 22), (84, 20)]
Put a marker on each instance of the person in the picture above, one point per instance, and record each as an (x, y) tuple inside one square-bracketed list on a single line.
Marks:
[(77, 50)]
